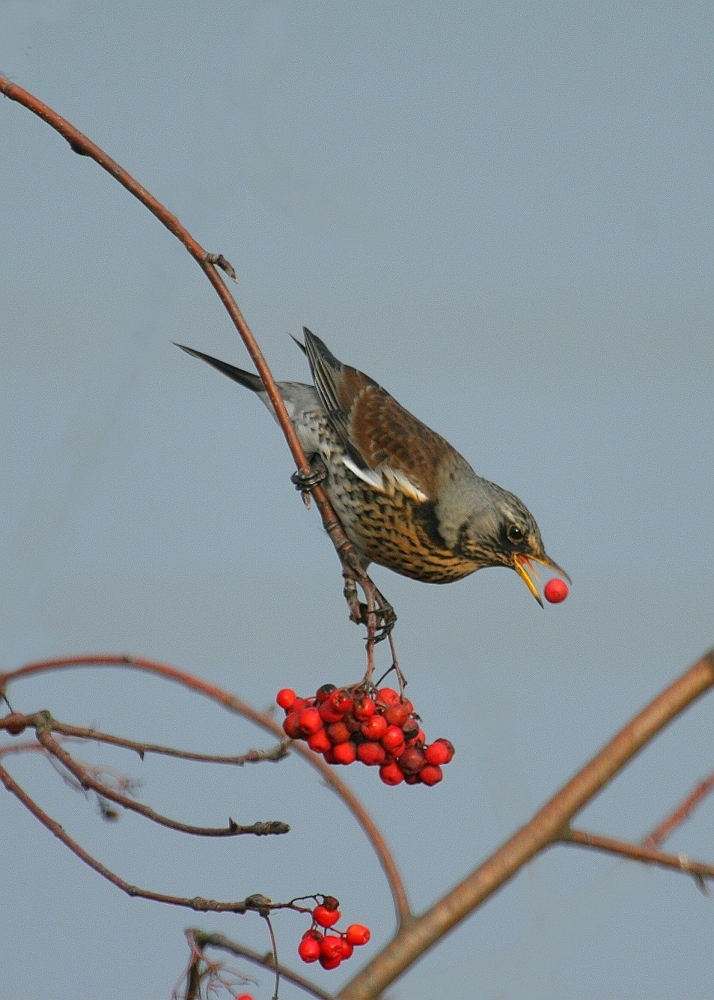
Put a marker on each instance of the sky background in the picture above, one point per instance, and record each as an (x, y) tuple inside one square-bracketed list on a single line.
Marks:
[(501, 212)]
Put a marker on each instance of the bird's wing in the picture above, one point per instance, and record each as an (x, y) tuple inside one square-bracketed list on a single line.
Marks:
[(385, 445)]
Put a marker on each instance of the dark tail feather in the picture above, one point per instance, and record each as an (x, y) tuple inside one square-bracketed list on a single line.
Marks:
[(248, 379)]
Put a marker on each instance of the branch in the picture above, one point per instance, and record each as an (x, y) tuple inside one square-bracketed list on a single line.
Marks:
[(195, 903), (208, 262), (680, 814), (205, 940), (546, 827), (639, 852), (273, 754), (87, 781), (234, 704)]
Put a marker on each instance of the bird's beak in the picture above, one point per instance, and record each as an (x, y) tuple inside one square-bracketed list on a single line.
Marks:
[(528, 573)]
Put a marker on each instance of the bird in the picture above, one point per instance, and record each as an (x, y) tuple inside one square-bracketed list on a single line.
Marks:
[(405, 497)]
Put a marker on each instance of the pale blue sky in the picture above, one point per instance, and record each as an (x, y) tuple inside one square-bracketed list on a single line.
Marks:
[(503, 214)]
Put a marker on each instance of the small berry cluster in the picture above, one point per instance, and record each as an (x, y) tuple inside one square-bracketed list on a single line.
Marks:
[(330, 949), (378, 728)]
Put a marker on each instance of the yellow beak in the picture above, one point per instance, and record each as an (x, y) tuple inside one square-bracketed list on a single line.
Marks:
[(528, 573)]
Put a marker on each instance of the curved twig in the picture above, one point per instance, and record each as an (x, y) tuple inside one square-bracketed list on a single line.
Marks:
[(208, 262), (234, 704)]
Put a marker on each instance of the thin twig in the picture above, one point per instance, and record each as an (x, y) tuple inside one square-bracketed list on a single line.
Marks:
[(208, 262), (680, 814), (88, 781), (638, 852), (195, 903), (273, 754), (263, 719), (205, 940)]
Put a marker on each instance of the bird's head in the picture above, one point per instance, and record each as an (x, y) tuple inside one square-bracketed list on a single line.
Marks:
[(501, 531)]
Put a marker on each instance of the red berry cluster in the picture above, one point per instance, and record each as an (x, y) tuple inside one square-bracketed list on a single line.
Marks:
[(330, 949), (378, 728)]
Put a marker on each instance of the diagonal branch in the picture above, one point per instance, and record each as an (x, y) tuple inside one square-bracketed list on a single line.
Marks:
[(87, 781), (681, 813), (546, 828), (195, 903)]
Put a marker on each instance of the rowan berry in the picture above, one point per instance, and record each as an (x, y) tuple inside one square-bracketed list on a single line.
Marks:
[(310, 721), (412, 761), (326, 916), (309, 949), (555, 590), (391, 773), (431, 774), (388, 696), (397, 715), (439, 752), (371, 754), (364, 708), (344, 753), (319, 742), (324, 692), (357, 934), (285, 698), (375, 727)]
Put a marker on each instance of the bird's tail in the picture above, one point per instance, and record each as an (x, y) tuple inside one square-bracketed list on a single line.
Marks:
[(248, 379)]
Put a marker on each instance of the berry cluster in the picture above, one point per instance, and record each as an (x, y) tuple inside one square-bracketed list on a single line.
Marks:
[(377, 727), (330, 949)]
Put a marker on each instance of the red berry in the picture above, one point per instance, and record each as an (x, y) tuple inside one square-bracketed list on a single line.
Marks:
[(371, 754), (431, 774), (397, 715), (344, 753), (299, 704), (319, 742), (309, 949), (325, 916), (410, 729), (328, 714), (329, 756), (15, 723), (375, 727), (388, 696), (411, 779), (324, 692), (338, 732), (393, 738), (291, 726), (440, 752), (341, 701), (555, 590), (364, 708), (412, 761), (391, 774), (330, 963), (357, 934), (347, 949), (331, 946), (245, 996), (310, 721), (285, 698)]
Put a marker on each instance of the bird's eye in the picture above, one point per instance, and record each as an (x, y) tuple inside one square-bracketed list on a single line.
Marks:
[(515, 533)]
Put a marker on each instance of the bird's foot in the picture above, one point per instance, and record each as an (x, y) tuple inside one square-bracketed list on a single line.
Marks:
[(383, 615), (306, 482)]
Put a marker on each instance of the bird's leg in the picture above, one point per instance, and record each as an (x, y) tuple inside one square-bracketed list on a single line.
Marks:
[(306, 483), (377, 605)]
